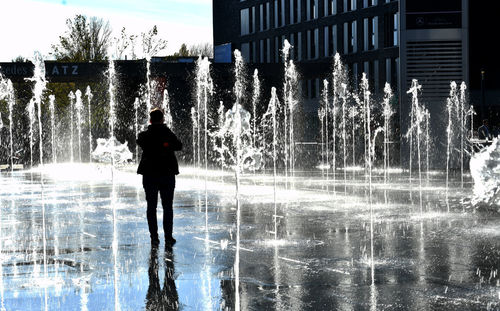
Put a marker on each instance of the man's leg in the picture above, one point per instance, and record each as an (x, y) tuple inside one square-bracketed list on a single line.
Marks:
[(167, 198), (151, 190)]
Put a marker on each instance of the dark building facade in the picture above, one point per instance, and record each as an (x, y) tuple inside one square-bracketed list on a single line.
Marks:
[(390, 41), (364, 32)]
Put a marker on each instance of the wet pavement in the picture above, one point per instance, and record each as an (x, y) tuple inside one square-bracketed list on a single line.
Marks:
[(79, 241)]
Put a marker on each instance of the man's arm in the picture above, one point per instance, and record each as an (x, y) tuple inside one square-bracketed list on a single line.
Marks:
[(141, 140), (174, 142)]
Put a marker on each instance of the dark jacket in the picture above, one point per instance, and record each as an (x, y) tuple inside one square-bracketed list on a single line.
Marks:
[(158, 144)]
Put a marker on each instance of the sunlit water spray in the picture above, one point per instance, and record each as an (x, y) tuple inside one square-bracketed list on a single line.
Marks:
[(52, 100), (255, 101), (38, 89), (89, 95), (290, 88), (166, 109), (71, 97), (79, 108), (7, 93)]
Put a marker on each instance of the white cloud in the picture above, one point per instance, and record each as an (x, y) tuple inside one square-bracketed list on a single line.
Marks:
[(27, 26)]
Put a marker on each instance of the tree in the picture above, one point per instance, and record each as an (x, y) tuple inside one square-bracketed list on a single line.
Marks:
[(203, 49), (20, 59), (183, 51), (151, 44), (125, 43), (86, 39)]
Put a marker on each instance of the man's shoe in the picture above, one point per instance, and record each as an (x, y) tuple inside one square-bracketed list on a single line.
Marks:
[(170, 240)]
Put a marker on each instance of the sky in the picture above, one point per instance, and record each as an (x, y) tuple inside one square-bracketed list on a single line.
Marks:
[(34, 25)]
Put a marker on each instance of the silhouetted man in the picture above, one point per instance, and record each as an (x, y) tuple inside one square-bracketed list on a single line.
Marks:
[(158, 168), (483, 131)]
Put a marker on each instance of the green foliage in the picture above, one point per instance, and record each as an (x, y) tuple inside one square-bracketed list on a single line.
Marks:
[(183, 51), (85, 39)]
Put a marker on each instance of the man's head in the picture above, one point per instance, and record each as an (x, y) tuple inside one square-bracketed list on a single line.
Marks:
[(485, 122), (156, 116)]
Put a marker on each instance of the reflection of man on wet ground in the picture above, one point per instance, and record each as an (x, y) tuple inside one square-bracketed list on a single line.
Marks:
[(158, 168), (158, 298)]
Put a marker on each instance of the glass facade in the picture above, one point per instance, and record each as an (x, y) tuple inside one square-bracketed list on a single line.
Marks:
[(265, 26)]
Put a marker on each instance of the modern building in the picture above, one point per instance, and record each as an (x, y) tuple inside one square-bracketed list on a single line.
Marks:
[(390, 41), (364, 32)]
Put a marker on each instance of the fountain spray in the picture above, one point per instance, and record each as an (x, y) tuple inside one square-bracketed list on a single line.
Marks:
[(38, 89), (79, 108), (71, 97), (387, 112), (7, 92), (88, 92), (137, 104), (166, 109), (271, 114), (52, 100), (255, 100), (290, 87), (450, 104)]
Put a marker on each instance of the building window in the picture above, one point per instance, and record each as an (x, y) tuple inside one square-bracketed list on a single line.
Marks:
[(276, 22), (395, 29), (350, 41), (370, 33), (245, 51), (261, 19), (268, 50), (298, 11), (330, 40), (282, 10), (261, 50), (333, 40), (245, 21), (279, 13), (391, 71), (369, 3), (330, 7), (312, 9), (299, 46), (254, 52), (293, 53), (349, 5), (313, 44), (316, 43), (252, 20), (268, 15), (326, 40), (276, 50)]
